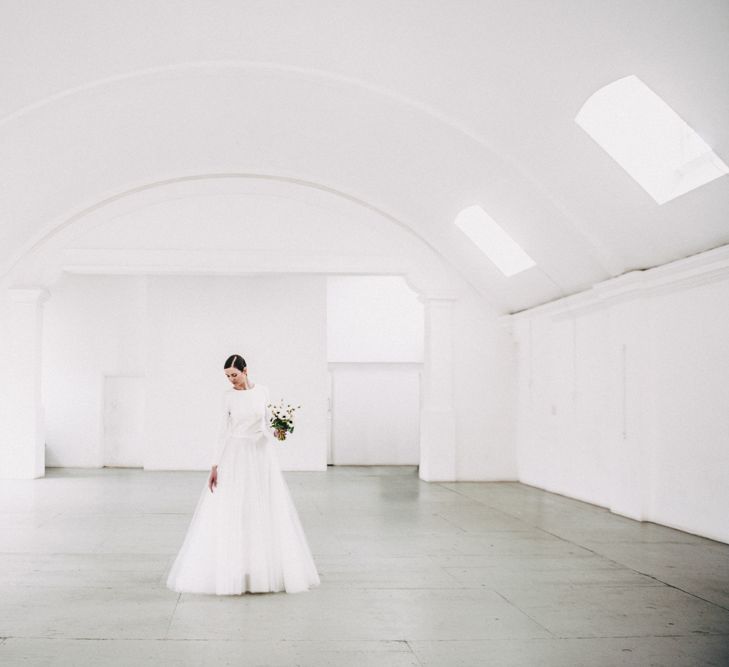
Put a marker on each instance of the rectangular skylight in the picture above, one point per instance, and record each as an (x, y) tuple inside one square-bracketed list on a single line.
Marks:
[(493, 241), (648, 139)]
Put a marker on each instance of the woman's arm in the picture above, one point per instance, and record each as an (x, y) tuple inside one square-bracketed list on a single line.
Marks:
[(222, 432), (267, 414)]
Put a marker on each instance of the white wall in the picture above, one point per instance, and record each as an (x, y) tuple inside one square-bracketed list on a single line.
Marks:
[(177, 331), (276, 323), (375, 330), (373, 319), (244, 227), (92, 326), (375, 414), (377, 320), (484, 392), (690, 485), (622, 397)]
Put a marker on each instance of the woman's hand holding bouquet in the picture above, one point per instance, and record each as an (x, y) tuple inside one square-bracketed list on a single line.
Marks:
[(282, 420)]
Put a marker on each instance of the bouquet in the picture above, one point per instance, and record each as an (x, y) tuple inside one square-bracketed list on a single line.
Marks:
[(282, 419)]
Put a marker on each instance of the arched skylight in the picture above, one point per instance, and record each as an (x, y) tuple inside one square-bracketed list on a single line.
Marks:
[(493, 241), (648, 139)]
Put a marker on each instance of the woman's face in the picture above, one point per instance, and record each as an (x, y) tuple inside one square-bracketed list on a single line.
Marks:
[(235, 376)]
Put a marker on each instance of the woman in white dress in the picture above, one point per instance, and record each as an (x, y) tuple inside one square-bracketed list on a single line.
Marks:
[(245, 534)]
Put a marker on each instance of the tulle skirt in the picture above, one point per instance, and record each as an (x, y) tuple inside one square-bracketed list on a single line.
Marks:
[(246, 535)]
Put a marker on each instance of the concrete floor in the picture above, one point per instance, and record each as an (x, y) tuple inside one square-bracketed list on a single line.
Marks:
[(413, 573)]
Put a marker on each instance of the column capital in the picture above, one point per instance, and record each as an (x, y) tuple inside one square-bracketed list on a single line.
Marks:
[(36, 295)]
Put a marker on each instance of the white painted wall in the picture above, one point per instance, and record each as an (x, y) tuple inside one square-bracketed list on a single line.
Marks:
[(134, 325), (177, 331), (376, 320), (484, 392), (124, 403), (375, 331), (276, 323), (224, 227), (375, 414), (622, 397), (373, 319), (92, 326), (690, 458)]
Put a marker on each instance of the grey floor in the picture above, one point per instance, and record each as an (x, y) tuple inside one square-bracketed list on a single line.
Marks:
[(413, 573)]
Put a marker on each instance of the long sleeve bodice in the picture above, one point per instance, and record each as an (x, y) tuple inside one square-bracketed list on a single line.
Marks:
[(244, 413)]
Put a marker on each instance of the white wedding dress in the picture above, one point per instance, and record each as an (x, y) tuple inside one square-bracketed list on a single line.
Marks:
[(246, 535)]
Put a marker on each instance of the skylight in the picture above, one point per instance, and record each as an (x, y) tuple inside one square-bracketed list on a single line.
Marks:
[(495, 243), (648, 139)]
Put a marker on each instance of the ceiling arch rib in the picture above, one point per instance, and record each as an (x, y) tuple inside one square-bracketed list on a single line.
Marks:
[(236, 225), (607, 261)]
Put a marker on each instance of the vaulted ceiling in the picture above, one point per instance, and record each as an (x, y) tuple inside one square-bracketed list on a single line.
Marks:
[(417, 109)]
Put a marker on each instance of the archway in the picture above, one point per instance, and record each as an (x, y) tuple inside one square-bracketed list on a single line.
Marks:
[(74, 247)]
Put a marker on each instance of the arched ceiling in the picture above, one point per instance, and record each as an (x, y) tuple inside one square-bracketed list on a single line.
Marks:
[(417, 109)]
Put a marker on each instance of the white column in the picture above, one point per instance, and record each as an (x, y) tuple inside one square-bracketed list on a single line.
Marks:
[(437, 416), (22, 440)]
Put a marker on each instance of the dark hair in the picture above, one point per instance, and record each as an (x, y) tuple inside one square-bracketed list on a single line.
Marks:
[(235, 361)]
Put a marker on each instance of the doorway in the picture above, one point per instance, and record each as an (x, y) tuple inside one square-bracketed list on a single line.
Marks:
[(123, 421)]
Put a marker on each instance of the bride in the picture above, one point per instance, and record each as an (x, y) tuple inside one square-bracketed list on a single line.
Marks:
[(245, 534)]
